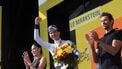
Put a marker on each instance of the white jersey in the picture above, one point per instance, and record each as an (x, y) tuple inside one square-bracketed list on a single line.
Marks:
[(47, 45)]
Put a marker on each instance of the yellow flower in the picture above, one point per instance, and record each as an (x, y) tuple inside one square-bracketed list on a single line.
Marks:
[(69, 49), (59, 52), (63, 51)]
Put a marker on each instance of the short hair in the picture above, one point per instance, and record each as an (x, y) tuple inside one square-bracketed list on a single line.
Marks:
[(52, 28), (109, 15)]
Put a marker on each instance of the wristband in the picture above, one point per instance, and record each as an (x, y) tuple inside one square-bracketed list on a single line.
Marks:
[(36, 26)]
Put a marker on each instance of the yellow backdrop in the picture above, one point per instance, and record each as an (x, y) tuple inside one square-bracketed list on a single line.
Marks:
[(90, 21)]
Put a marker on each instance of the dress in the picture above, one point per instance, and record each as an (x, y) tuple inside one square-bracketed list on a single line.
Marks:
[(36, 63), (106, 60), (50, 46)]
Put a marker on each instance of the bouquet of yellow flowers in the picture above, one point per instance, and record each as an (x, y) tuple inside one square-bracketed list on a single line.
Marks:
[(64, 54)]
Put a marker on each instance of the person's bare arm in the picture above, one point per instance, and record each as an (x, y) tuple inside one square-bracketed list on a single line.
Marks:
[(26, 59), (116, 46), (94, 51), (42, 63)]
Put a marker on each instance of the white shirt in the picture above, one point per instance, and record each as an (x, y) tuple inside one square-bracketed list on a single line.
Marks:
[(47, 45)]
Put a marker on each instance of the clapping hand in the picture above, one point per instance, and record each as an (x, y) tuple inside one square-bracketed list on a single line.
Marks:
[(94, 35), (91, 37), (26, 58)]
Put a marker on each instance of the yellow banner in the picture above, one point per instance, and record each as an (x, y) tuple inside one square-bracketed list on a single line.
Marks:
[(84, 18)]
